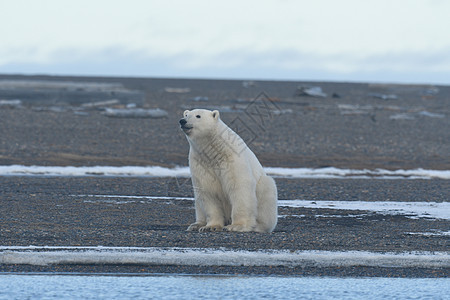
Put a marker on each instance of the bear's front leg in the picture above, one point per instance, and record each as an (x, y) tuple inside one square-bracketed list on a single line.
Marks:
[(209, 214), (200, 217), (214, 216)]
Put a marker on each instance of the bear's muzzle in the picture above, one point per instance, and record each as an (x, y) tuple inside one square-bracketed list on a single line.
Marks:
[(183, 126)]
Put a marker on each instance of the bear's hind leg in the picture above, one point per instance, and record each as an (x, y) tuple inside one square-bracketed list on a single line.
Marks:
[(266, 192), (243, 209)]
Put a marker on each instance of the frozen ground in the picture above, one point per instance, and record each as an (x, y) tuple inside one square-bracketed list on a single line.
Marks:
[(225, 257), (363, 171)]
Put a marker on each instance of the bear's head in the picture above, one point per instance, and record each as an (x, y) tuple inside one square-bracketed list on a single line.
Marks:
[(199, 122)]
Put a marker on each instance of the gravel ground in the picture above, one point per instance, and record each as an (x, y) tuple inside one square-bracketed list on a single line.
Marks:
[(354, 130), (56, 211)]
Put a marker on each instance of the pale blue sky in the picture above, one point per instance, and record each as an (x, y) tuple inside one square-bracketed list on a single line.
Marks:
[(404, 41)]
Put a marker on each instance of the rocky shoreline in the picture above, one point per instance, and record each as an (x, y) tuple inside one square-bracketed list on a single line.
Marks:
[(58, 211), (356, 128)]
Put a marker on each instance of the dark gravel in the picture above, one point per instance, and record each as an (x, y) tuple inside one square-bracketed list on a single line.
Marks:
[(409, 132), (59, 211)]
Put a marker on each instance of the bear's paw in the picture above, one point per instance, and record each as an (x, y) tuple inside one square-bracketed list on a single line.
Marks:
[(195, 226), (211, 228), (236, 227)]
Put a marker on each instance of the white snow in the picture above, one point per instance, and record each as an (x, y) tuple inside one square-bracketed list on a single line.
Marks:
[(155, 171), (430, 233), (350, 173), (217, 257), (431, 210), (135, 113), (61, 85), (151, 171), (435, 210)]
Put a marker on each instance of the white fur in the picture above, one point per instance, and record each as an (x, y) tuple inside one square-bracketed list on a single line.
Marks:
[(232, 191)]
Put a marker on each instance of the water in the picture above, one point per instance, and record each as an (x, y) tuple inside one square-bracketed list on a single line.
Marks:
[(218, 287)]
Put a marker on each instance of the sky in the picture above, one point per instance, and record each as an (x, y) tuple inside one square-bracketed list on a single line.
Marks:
[(398, 41)]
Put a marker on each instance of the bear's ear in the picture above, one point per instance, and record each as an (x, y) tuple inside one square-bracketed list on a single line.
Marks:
[(216, 114), (185, 113)]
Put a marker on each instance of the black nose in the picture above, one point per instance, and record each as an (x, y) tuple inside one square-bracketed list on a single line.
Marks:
[(183, 122)]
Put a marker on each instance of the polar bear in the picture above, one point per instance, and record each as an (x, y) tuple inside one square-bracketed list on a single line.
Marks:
[(232, 191)]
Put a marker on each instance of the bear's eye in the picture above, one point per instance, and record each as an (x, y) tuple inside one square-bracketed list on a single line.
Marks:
[(198, 116)]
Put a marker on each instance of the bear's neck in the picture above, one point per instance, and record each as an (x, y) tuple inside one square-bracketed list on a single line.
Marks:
[(212, 150), (210, 143), (218, 147)]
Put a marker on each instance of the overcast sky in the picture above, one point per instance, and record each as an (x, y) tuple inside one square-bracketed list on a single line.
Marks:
[(406, 41)]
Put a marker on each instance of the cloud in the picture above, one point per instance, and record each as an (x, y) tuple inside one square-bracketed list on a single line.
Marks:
[(242, 64), (191, 37)]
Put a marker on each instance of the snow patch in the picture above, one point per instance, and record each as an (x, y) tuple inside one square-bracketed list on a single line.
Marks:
[(430, 210), (156, 171), (431, 233), (151, 171), (350, 173)]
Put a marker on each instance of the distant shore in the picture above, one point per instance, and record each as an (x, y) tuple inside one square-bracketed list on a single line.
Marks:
[(62, 121)]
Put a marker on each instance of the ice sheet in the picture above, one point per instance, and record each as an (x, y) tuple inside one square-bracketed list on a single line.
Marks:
[(217, 257)]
